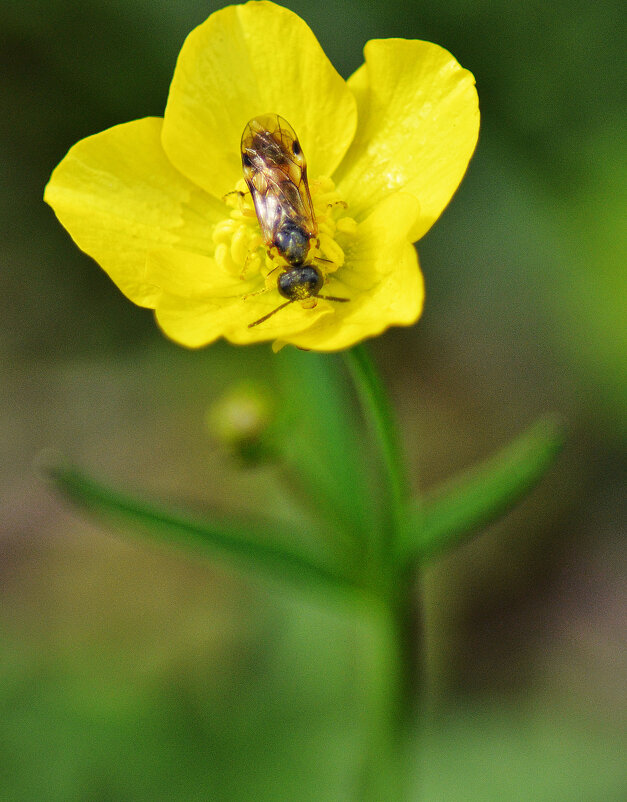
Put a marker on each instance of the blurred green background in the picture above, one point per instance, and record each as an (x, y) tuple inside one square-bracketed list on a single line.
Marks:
[(130, 672)]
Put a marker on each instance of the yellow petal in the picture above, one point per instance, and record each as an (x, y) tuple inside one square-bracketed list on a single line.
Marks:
[(197, 300), (119, 197), (380, 276), (244, 61), (198, 303), (418, 127)]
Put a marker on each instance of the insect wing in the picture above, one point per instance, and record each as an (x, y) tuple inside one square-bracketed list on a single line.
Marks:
[(276, 174)]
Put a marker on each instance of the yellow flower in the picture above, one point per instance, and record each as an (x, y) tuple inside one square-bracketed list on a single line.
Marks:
[(385, 150)]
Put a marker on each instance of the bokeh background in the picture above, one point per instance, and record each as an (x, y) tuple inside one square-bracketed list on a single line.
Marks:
[(131, 672)]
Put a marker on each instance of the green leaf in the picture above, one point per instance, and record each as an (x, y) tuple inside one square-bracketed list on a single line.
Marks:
[(482, 494), (245, 546)]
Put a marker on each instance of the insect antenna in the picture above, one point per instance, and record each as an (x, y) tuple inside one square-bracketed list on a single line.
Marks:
[(274, 311), (287, 303)]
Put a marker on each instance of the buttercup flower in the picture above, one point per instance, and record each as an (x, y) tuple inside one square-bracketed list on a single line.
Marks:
[(153, 201)]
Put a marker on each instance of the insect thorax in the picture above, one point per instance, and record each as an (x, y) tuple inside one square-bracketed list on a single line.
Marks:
[(292, 243)]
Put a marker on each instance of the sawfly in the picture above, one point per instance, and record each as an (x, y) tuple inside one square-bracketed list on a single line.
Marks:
[(275, 172)]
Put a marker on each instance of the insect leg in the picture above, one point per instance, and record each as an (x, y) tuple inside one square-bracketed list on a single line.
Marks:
[(240, 195), (232, 192), (265, 289), (333, 298)]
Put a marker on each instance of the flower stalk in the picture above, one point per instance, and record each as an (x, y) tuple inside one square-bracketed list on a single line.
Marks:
[(395, 614), (381, 420)]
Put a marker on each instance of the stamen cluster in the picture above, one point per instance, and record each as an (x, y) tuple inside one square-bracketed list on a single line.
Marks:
[(239, 248)]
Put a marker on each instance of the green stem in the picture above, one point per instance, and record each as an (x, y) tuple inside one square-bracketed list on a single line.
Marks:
[(390, 752), (393, 655), (383, 424)]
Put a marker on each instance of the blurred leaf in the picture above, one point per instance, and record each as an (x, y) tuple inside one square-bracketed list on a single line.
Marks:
[(247, 546), (317, 437), (482, 494)]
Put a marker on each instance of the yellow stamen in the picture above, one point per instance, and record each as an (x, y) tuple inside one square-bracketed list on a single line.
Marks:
[(240, 251)]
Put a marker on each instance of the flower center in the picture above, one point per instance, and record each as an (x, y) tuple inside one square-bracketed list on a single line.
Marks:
[(241, 252)]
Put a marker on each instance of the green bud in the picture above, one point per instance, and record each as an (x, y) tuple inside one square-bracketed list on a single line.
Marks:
[(240, 419)]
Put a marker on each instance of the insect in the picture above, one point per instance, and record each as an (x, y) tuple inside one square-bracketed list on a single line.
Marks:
[(275, 171)]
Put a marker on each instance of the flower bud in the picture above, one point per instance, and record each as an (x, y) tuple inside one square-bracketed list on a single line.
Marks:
[(239, 420)]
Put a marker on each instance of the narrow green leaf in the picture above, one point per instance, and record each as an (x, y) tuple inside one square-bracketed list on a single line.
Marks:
[(245, 546), (482, 494)]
